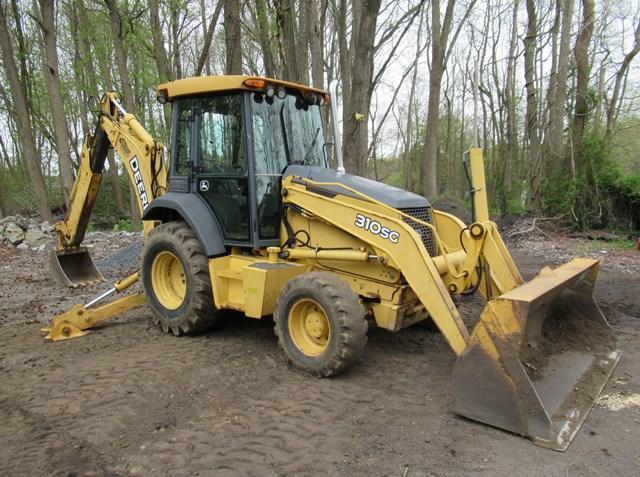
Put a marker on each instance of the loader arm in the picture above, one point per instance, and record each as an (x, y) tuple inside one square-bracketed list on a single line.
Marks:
[(142, 157), (433, 279), (540, 352), (407, 254)]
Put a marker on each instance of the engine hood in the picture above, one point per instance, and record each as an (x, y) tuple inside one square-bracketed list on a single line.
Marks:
[(389, 195)]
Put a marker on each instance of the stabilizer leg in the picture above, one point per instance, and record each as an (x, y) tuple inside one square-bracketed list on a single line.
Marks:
[(72, 323)]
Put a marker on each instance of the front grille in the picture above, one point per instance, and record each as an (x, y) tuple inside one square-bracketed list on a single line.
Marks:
[(426, 234)]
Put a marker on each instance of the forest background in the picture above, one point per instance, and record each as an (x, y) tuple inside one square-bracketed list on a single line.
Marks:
[(558, 92)]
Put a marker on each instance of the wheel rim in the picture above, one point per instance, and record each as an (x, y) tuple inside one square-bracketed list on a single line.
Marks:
[(168, 280), (309, 327)]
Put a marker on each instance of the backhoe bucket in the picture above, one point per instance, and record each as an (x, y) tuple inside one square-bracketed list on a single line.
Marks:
[(539, 357), (74, 268)]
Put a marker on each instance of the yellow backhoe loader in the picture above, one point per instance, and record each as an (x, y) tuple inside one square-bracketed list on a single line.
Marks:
[(249, 217)]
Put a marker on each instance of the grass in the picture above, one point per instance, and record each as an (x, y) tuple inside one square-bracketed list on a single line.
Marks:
[(617, 244)]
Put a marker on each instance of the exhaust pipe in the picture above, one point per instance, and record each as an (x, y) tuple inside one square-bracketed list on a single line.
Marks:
[(333, 91)]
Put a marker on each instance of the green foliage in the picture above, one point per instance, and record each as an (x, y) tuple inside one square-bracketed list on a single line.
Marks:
[(124, 225), (601, 196), (105, 215)]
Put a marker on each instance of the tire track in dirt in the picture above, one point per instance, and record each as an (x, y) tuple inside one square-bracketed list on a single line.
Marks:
[(100, 399), (288, 429), (300, 425), (49, 451), (109, 397)]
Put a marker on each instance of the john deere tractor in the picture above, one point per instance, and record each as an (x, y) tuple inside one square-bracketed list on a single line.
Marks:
[(246, 214)]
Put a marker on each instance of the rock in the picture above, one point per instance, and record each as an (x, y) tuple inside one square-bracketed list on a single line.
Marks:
[(36, 238), (22, 246), (46, 227), (13, 233), (6, 220)]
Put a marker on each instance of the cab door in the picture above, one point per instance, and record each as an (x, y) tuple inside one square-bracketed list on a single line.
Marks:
[(221, 169)]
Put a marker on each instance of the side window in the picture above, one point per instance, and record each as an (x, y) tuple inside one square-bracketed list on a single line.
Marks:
[(221, 136), (183, 136)]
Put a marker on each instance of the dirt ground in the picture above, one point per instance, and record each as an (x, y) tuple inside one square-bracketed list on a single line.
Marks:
[(128, 400)]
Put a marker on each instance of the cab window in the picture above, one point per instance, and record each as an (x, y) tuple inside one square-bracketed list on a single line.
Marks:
[(221, 135), (182, 146)]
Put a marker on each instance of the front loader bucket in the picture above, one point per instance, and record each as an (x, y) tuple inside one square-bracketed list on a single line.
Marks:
[(539, 357), (74, 267)]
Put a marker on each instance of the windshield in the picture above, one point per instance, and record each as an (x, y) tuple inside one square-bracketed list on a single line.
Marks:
[(286, 131)]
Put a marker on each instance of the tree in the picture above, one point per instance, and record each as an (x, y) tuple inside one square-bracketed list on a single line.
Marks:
[(316, 42), (357, 72), (614, 104), (50, 69), (232, 37), (554, 149), (206, 47), (127, 89), (583, 70), (159, 51), (22, 118), (532, 125), (440, 48)]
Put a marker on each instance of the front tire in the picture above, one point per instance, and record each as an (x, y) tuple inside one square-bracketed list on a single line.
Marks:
[(320, 324), (175, 277)]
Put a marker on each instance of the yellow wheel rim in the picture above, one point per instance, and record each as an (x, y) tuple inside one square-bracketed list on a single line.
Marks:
[(309, 327), (168, 280)]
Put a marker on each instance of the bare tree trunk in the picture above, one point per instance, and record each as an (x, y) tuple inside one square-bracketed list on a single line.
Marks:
[(600, 98), (616, 96), (23, 120), (316, 44), (531, 126), (555, 149), (4, 206), (357, 102), (206, 47), (125, 80), (583, 70), (409, 143), (304, 39), (290, 43), (439, 35), (232, 36), (264, 38), (22, 50), (510, 107), (441, 46), (120, 54), (159, 51), (174, 16), (50, 70), (85, 42)]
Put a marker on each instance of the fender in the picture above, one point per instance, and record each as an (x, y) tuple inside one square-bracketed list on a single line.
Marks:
[(193, 210)]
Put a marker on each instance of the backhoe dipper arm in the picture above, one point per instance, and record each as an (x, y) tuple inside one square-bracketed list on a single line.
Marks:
[(142, 157)]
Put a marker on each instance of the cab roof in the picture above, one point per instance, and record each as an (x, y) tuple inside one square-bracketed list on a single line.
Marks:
[(214, 84)]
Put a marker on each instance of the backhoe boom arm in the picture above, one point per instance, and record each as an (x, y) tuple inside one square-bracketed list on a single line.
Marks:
[(142, 158)]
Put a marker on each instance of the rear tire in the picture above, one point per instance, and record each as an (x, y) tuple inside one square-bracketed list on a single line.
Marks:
[(175, 277), (320, 324)]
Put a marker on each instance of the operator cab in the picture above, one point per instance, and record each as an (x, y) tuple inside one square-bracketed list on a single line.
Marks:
[(232, 139)]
